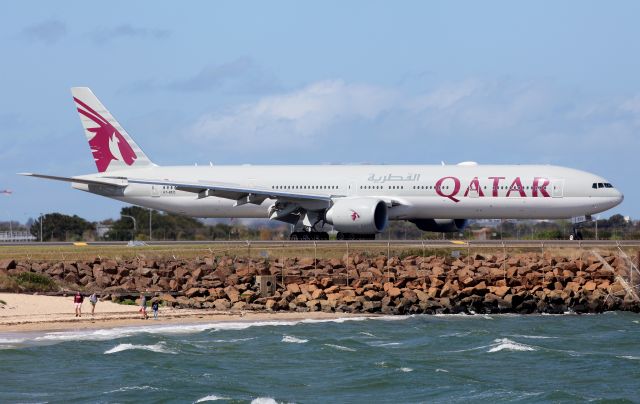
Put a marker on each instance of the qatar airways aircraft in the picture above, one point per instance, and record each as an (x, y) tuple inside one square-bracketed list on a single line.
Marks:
[(356, 200)]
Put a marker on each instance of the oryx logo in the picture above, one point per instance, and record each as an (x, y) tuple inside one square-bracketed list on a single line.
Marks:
[(354, 215), (107, 144)]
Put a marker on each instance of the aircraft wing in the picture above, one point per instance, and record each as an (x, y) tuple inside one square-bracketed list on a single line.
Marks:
[(113, 182), (241, 195)]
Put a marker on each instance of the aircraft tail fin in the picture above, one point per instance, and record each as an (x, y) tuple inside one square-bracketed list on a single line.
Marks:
[(111, 146)]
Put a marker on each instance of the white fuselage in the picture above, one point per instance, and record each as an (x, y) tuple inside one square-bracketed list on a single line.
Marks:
[(413, 191)]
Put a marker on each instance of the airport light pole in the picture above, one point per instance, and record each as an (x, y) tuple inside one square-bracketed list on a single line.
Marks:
[(135, 226), (150, 224), (41, 219)]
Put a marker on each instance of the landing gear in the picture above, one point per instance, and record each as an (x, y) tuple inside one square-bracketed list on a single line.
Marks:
[(309, 235), (352, 236), (576, 234)]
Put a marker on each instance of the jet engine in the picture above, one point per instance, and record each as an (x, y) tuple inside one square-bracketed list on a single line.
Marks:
[(440, 225), (358, 215)]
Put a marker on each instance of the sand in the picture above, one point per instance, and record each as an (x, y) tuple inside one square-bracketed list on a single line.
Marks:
[(25, 312)]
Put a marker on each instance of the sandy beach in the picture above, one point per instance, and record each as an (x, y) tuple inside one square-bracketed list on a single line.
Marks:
[(27, 312)]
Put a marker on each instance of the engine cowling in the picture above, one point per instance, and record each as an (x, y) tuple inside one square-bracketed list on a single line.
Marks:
[(358, 215), (441, 225)]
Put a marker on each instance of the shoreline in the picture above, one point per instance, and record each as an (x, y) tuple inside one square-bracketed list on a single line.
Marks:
[(36, 313)]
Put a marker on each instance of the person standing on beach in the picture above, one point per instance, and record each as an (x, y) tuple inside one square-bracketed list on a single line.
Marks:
[(93, 299), (154, 307), (77, 302), (143, 306)]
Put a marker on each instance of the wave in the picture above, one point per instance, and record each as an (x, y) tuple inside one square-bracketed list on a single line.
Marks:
[(533, 336), (442, 370), (211, 397), (505, 344), (406, 370), (131, 388), (294, 340), (8, 343), (340, 347), (159, 347), (264, 400), (385, 344), (233, 340), (107, 334), (633, 358)]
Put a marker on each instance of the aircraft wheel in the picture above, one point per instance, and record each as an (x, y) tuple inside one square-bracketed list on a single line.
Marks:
[(340, 236), (304, 236), (293, 236)]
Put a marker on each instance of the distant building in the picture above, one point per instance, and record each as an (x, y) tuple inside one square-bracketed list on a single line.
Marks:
[(16, 236), (102, 229)]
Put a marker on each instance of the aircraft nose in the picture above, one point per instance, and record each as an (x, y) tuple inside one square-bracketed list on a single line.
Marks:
[(617, 199)]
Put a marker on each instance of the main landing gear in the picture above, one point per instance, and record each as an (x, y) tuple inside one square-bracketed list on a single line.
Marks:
[(309, 235), (352, 236)]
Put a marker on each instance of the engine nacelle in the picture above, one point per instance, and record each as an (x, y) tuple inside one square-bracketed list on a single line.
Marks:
[(358, 215), (440, 225)]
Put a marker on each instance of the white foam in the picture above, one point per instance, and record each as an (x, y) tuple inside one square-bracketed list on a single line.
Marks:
[(340, 347), (383, 344), (11, 340), (159, 347), (233, 340), (368, 334), (131, 388), (381, 364), (633, 358), (406, 370), (442, 370), (264, 400), (534, 336), (502, 344), (293, 340), (211, 397), (108, 334)]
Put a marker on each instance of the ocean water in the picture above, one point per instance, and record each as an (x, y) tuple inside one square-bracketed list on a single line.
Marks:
[(456, 358)]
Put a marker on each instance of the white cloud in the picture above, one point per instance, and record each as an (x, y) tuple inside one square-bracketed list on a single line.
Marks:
[(296, 116), (541, 118)]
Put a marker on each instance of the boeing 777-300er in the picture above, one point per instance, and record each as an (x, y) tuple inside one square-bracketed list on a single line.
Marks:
[(357, 201)]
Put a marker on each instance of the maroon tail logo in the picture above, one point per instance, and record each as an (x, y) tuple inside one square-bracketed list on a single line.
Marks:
[(354, 215), (106, 137)]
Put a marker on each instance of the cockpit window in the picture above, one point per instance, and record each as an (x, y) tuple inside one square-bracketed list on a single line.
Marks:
[(607, 185), (594, 186), (597, 185)]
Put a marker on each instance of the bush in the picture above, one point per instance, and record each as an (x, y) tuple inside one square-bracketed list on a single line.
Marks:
[(31, 281), (8, 284)]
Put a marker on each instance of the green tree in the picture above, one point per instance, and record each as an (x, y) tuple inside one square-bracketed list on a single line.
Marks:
[(59, 227), (169, 226)]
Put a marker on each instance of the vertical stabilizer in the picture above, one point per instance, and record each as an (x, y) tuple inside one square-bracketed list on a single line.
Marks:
[(111, 146)]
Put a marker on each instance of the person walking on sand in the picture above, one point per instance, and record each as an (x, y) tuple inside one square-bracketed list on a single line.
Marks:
[(93, 299), (154, 307), (143, 306), (77, 302)]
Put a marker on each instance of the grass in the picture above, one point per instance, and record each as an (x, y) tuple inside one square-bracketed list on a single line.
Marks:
[(271, 251)]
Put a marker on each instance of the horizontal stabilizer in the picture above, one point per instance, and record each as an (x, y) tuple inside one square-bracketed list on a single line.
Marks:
[(113, 182)]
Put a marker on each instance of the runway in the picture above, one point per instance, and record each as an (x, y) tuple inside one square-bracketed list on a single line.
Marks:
[(377, 243)]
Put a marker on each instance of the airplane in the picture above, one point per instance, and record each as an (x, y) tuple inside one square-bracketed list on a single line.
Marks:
[(357, 201), (6, 192)]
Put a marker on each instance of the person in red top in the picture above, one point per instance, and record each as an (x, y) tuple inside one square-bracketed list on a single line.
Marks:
[(77, 302)]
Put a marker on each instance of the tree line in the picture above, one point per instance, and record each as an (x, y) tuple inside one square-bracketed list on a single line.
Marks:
[(170, 226)]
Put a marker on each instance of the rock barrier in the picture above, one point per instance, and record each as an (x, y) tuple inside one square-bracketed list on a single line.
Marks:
[(522, 283)]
